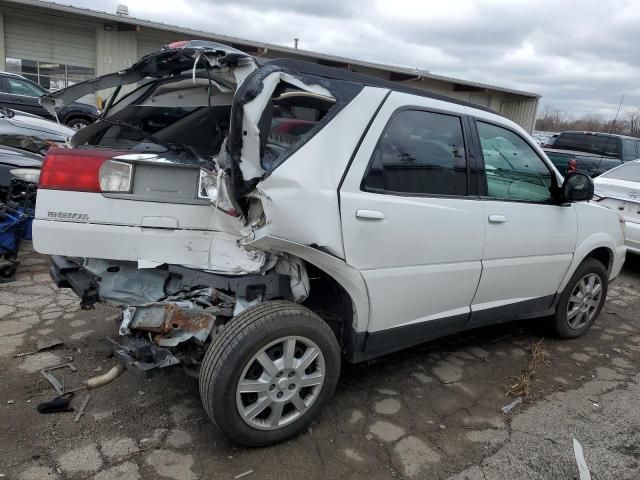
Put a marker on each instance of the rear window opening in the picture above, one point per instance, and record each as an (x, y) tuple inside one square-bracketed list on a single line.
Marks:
[(288, 120)]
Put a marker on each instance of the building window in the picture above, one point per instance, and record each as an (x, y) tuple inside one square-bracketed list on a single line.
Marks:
[(52, 76)]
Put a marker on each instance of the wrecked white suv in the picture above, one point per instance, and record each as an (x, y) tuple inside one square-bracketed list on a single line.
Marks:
[(258, 223)]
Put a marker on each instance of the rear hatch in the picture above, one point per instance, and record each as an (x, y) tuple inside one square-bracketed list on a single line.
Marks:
[(163, 178)]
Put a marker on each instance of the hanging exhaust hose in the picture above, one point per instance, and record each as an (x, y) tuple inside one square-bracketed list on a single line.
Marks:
[(105, 378)]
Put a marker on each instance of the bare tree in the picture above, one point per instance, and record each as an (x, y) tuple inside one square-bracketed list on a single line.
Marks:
[(632, 122), (552, 119)]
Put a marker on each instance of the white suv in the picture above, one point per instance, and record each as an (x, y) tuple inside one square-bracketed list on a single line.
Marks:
[(259, 223)]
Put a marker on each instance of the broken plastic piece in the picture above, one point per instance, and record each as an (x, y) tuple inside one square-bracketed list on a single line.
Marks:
[(583, 469), (512, 405)]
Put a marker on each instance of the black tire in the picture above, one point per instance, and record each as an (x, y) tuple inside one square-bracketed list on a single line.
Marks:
[(78, 123), (561, 324), (234, 348)]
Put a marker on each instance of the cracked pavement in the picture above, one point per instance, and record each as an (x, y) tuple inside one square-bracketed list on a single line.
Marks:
[(433, 411)]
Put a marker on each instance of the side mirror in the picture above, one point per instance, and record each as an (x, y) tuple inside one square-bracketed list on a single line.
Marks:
[(577, 187)]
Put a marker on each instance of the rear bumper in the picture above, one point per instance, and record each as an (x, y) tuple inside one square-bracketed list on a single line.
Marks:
[(66, 273)]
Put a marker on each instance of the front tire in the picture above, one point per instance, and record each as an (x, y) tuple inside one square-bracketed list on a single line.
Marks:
[(269, 373), (78, 124), (582, 300)]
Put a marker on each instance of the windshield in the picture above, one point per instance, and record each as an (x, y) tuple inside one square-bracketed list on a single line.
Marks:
[(629, 171), (588, 142)]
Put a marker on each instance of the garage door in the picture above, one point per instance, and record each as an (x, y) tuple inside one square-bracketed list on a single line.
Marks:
[(52, 52), (152, 42)]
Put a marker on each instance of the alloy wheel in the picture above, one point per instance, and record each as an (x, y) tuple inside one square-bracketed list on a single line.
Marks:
[(584, 301), (280, 383)]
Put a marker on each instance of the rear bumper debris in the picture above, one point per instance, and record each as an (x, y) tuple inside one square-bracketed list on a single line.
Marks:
[(142, 357)]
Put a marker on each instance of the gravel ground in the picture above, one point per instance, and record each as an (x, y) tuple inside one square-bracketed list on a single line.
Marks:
[(429, 412)]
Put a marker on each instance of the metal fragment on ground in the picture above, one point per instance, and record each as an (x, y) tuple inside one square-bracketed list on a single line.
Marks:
[(82, 407), (583, 469), (512, 405)]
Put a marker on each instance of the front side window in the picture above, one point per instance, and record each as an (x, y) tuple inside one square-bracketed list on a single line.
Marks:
[(513, 169), (20, 87), (419, 153)]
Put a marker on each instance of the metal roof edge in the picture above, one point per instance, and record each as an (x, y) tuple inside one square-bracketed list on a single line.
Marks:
[(112, 17)]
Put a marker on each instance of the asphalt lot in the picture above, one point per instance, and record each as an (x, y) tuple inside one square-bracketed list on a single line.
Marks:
[(430, 412)]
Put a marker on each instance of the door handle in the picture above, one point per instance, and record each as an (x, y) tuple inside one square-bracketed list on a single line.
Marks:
[(497, 219), (370, 214)]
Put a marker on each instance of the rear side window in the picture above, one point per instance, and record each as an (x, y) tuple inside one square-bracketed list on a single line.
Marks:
[(514, 171), (589, 142), (20, 87), (629, 150), (419, 153)]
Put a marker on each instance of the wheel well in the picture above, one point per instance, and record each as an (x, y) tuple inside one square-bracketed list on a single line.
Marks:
[(603, 255), (330, 301), (78, 117)]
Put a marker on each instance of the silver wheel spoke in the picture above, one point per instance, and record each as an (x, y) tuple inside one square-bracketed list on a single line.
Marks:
[(597, 289), (583, 286), (592, 281), (257, 408), (267, 364), (298, 403), (307, 359), (575, 298), (315, 378), (276, 414), (573, 313), (253, 386), (289, 353)]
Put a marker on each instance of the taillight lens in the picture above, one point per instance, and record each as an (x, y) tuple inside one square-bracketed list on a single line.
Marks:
[(73, 169), (116, 176)]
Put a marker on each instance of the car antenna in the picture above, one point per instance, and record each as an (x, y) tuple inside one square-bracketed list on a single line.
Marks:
[(604, 149)]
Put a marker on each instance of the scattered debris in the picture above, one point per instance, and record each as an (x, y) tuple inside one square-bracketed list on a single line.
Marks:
[(583, 469), (512, 405), (141, 392), (24, 354), (82, 407), (11, 402), (97, 369), (244, 474), (58, 404), (48, 343), (519, 386), (58, 387)]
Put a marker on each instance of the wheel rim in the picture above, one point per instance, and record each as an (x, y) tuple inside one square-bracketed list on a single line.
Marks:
[(78, 126), (584, 301), (280, 383)]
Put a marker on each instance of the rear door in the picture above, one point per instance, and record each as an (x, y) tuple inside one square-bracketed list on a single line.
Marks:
[(412, 222), (530, 240)]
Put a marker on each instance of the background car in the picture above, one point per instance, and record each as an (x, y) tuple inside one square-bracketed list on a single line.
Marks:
[(592, 153), (22, 94), (619, 190), (29, 132)]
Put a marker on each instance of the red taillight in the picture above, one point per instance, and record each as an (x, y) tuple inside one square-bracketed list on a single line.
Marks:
[(73, 169), (573, 165)]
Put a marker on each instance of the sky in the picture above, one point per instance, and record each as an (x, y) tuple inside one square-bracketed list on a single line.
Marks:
[(581, 56)]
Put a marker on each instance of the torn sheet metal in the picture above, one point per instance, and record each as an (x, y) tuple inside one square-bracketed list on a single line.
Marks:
[(241, 155), (297, 272)]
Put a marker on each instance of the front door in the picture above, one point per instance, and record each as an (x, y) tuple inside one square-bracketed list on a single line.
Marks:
[(529, 240), (412, 223), (23, 95)]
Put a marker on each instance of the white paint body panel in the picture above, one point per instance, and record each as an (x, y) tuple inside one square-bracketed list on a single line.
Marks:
[(300, 198), (527, 256), (616, 195), (422, 261), (119, 229)]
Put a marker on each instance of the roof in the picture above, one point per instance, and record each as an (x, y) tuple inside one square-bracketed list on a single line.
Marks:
[(600, 134), (310, 68), (262, 45)]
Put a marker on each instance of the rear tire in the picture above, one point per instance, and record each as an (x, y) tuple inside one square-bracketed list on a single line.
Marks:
[(78, 123), (269, 373), (582, 300)]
